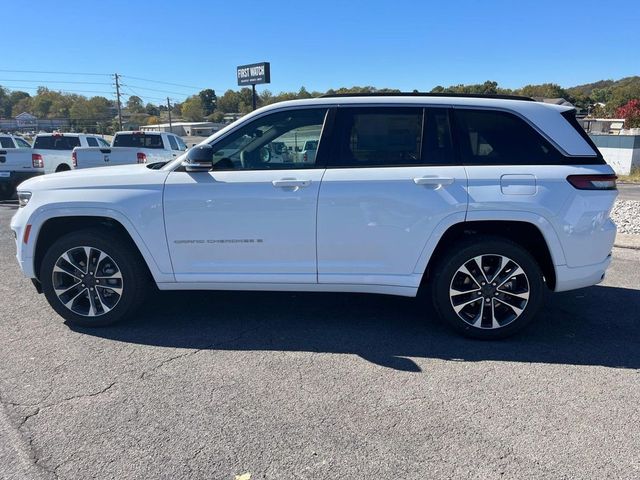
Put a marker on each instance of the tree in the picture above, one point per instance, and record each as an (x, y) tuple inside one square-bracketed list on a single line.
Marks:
[(151, 109), (192, 109), (11, 99), (134, 104), (22, 105), (229, 102), (545, 90), (209, 99), (487, 88), (631, 113)]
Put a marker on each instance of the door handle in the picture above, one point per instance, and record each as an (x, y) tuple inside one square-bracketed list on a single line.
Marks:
[(435, 181), (291, 183)]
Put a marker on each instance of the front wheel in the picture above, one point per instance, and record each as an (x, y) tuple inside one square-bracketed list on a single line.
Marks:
[(93, 278), (488, 287)]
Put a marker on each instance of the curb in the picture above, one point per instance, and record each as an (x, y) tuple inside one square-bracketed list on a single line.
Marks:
[(625, 240)]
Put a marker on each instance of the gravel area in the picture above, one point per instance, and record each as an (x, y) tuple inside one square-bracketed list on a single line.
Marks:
[(626, 215)]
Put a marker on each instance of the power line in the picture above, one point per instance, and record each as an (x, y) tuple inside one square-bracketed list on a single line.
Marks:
[(31, 87), (56, 73), (51, 81), (132, 92), (156, 90), (164, 83)]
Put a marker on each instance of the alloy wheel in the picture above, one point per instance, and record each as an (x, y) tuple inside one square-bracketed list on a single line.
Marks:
[(87, 281), (489, 291)]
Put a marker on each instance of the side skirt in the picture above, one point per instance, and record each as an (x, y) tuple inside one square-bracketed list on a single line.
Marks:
[(292, 287)]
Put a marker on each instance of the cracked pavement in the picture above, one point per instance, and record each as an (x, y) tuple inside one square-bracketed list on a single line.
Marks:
[(212, 385)]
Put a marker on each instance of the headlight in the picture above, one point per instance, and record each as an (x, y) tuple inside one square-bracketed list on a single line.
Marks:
[(23, 198)]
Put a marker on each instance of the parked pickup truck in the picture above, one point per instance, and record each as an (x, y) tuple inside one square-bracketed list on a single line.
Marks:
[(15, 164), (131, 147), (52, 151)]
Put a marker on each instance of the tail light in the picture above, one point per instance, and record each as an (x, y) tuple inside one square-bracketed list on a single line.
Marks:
[(74, 159), (593, 182), (304, 157), (142, 157), (36, 160)]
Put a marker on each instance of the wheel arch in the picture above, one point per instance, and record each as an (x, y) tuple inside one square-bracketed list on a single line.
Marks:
[(54, 227), (524, 233)]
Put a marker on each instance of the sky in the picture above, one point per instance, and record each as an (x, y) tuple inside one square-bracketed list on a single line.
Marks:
[(318, 44)]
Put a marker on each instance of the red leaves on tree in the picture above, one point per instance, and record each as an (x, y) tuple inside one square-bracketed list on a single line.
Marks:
[(630, 112)]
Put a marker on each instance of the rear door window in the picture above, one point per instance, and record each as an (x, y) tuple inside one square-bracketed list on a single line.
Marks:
[(378, 136), (138, 140), (56, 142), (489, 137), (92, 142), (22, 143), (6, 142)]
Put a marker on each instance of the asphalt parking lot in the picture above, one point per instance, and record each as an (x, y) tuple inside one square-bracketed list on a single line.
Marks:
[(278, 385)]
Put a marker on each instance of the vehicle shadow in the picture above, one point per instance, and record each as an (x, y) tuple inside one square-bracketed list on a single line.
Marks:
[(9, 204), (594, 326)]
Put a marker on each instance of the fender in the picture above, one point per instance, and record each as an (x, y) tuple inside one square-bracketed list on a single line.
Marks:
[(159, 264), (545, 227), (541, 223)]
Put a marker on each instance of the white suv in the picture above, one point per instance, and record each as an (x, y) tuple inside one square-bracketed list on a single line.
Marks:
[(487, 202)]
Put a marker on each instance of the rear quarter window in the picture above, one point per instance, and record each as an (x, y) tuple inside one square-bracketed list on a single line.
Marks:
[(490, 137), (56, 142), (138, 140)]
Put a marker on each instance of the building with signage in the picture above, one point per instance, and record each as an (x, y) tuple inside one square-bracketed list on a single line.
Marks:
[(26, 122), (185, 129)]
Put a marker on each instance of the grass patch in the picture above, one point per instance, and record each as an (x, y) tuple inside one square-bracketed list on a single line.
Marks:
[(633, 177)]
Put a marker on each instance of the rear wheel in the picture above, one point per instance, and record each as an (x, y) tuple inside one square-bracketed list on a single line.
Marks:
[(93, 278), (63, 167), (488, 287)]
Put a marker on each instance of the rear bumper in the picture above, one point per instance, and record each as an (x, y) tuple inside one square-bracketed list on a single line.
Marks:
[(568, 278), (15, 178)]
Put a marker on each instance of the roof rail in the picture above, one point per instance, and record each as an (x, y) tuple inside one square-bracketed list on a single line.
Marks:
[(429, 94)]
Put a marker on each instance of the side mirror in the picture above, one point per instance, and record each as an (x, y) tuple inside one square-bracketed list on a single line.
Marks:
[(199, 159)]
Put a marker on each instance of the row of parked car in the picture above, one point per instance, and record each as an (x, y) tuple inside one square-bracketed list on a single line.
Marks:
[(59, 152)]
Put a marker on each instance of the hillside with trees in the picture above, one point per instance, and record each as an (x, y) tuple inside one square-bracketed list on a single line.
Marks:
[(604, 98)]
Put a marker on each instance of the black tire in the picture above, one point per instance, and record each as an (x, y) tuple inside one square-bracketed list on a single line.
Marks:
[(135, 281), (63, 167), (476, 322), (7, 191)]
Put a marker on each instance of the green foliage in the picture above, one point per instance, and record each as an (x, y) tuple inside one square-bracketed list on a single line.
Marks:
[(545, 90), (97, 113), (135, 105), (152, 110), (487, 88), (192, 109), (209, 99)]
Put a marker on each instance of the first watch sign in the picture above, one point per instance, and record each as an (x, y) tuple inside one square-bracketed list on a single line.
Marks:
[(254, 74)]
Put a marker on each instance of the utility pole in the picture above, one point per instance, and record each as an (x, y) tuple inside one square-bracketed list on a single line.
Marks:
[(118, 96), (253, 95), (169, 110)]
